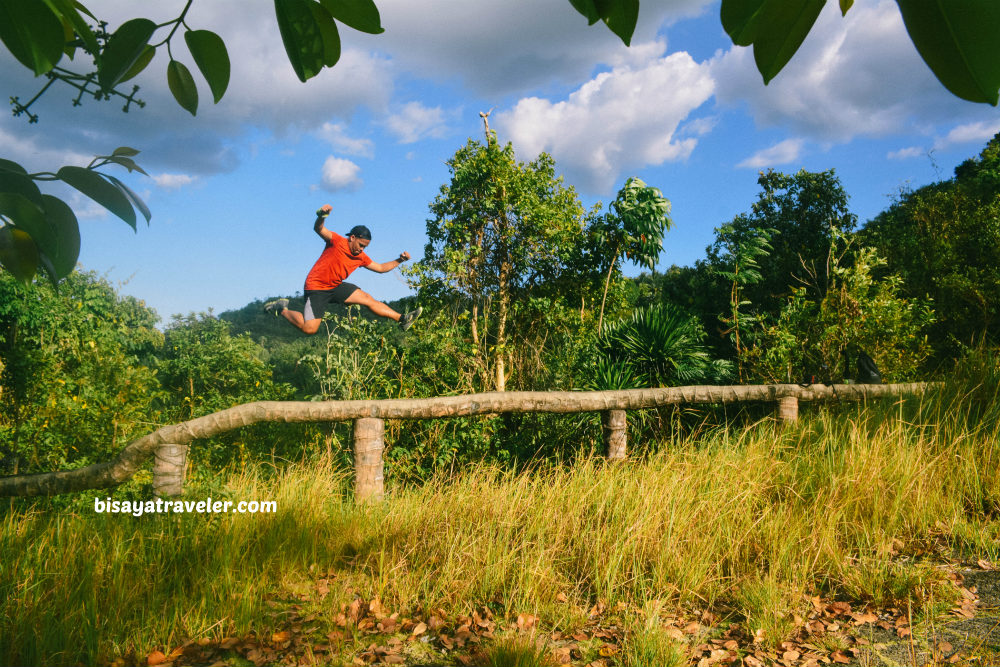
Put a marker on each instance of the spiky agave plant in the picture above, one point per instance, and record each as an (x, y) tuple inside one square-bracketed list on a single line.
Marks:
[(659, 345)]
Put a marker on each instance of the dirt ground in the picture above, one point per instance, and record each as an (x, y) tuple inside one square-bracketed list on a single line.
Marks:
[(950, 639)]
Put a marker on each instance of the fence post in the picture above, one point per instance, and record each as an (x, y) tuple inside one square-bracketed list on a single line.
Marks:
[(169, 463), (788, 409), (616, 434), (369, 441)]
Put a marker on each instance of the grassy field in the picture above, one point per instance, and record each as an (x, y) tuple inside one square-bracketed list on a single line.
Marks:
[(736, 532)]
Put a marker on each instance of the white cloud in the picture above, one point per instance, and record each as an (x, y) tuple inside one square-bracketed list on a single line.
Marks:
[(414, 122), (173, 181), (336, 135), (32, 153), (979, 133), (784, 152), (906, 153), (623, 119), (340, 174), (858, 75), (498, 48)]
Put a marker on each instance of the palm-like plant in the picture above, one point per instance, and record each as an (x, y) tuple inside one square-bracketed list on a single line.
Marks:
[(657, 346)]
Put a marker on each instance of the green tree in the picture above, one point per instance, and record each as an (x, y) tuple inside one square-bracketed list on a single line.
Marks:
[(943, 240), (500, 227), (739, 250), (805, 217), (822, 336), (204, 368), (76, 381), (633, 228)]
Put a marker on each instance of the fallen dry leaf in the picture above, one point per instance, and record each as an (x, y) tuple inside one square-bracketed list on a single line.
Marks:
[(156, 658), (526, 621), (866, 617)]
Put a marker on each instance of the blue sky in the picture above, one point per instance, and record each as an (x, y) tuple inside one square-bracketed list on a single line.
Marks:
[(233, 191)]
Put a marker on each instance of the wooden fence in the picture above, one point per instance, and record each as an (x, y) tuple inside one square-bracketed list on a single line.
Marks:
[(168, 445)]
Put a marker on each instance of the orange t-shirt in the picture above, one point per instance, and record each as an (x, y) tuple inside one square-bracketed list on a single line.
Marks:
[(334, 265)]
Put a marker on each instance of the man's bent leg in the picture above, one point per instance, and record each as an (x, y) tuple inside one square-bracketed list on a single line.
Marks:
[(296, 318), (364, 299)]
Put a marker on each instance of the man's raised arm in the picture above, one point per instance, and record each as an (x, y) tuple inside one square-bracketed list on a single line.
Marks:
[(318, 227)]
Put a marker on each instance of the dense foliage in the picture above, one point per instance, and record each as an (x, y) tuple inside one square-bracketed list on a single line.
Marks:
[(943, 240), (511, 283)]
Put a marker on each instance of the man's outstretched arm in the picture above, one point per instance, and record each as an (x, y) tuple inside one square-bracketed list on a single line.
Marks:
[(385, 267)]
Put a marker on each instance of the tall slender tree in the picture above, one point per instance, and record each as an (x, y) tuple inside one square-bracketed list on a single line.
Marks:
[(499, 226)]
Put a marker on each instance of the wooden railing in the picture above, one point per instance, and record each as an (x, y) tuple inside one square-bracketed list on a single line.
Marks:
[(168, 445)]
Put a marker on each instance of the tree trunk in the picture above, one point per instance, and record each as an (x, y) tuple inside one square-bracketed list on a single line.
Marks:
[(475, 324), (369, 441), (788, 409), (615, 426), (169, 465), (607, 284), (503, 302)]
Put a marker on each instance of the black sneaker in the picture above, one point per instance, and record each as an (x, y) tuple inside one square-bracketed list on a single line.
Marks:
[(407, 320), (277, 306)]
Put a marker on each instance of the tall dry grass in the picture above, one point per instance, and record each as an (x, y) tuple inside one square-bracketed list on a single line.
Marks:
[(743, 520)]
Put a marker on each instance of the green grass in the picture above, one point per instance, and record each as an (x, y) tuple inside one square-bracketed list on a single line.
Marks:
[(745, 522)]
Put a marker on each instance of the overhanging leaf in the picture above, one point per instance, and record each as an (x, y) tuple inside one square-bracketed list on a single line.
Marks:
[(67, 10), (783, 26), (95, 186), (133, 197), (126, 162), (620, 16), (14, 182), (301, 36), (960, 42), (182, 86), (328, 32), (124, 49), (18, 253), (739, 20), (358, 14), (139, 65), (65, 232), (212, 58), (28, 217), (588, 9), (32, 33), (10, 165)]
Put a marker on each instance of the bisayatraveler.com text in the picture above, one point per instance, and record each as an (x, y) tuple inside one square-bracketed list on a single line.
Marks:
[(161, 506)]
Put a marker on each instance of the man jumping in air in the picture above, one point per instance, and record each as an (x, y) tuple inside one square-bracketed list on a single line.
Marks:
[(325, 282)]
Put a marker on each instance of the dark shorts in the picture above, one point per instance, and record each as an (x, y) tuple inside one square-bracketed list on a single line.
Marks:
[(317, 300)]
